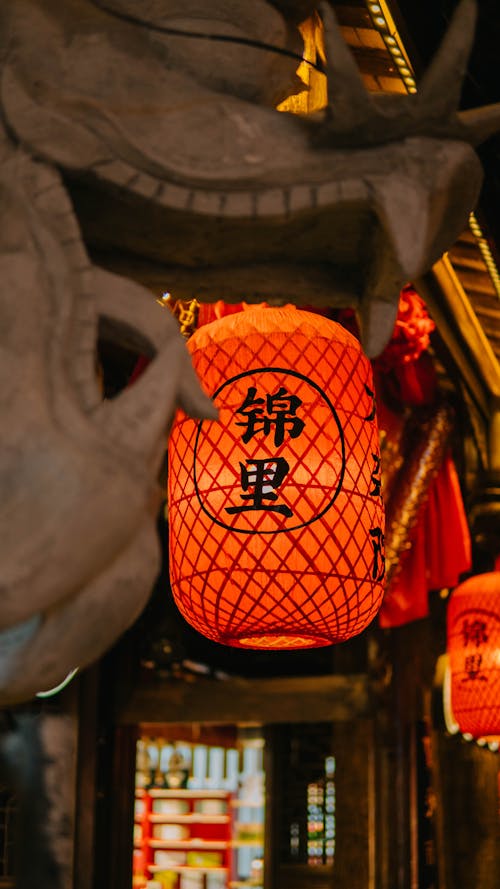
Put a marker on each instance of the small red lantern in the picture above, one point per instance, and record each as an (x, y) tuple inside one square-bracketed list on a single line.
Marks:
[(474, 653), (276, 515)]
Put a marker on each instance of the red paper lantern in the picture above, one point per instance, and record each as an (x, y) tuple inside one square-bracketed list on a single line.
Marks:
[(275, 512), (474, 653)]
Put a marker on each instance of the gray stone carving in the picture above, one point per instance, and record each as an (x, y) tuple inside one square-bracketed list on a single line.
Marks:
[(78, 485), (144, 136)]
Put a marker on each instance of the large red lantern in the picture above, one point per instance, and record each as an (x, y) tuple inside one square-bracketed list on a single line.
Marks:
[(276, 515), (474, 653)]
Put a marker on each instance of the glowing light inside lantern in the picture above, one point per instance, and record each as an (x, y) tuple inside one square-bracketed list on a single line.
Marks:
[(275, 512)]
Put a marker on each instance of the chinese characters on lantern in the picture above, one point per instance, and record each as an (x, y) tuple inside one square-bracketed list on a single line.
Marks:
[(264, 476), (274, 415), (277, 413), (474, 634), (376, 534), (276, 518)]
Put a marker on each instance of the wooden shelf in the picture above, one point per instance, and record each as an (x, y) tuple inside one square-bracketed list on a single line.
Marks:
[(250, 804), (245, 844), (191, 818), (245, 884), (182, 793), (204, 836), (187, 868), (218, 839), (192, 843)]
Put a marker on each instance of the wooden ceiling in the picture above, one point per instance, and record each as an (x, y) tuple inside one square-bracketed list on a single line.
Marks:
[(480, 284), (377, 67), (471, 269)]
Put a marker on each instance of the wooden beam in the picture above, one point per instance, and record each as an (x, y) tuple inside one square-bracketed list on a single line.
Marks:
[(374, 61), (294, 699), (461, 332), (353, 16), (86, 687), (476, 280), (465, 779)]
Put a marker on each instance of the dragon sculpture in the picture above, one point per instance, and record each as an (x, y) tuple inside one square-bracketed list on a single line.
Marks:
[(140, 142), (145, 135)]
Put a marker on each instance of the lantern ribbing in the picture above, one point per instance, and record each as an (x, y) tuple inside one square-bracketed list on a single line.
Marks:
[(276, 515), (474, 652)]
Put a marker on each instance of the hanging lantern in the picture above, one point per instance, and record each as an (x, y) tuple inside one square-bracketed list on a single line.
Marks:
[(276, 515), (474, 652)]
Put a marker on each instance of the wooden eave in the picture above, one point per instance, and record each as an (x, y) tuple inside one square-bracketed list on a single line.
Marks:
[(460, 293)]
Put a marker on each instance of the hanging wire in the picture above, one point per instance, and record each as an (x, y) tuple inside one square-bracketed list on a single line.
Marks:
[(221, 38)]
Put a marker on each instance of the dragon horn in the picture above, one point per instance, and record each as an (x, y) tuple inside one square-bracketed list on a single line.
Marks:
[(348, 100), (441, 85), (404, 213), (139, 417), (480, 123)]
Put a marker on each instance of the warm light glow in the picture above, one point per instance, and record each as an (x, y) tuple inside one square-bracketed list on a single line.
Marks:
[(383, 20), (486, 253), (474, 654), (275, 512), (281, 642), (384, 23), (451, 723), (314, 97)]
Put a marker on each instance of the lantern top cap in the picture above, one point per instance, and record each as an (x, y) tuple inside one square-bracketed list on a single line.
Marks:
[(479, 583), (264, 319)]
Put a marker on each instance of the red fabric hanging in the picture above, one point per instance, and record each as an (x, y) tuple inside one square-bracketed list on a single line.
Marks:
[(448, 543), (440, 546), (209, 312), (440, 552), (440, 549), (406, 599)]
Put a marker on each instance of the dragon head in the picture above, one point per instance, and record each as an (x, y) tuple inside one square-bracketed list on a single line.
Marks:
[(146, 137), (184, 175)]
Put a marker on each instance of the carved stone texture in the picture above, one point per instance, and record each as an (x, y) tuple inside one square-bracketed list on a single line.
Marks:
[(158, 117), (78, 489), (172, 152)]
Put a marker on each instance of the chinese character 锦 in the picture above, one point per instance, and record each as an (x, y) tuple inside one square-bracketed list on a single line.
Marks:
[(474, 631), (276, 411), (264, 476)]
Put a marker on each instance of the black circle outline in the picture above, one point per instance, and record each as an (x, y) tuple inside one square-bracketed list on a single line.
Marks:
[(294, 373)]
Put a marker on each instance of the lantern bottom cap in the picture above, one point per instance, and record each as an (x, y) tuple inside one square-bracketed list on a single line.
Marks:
[(279, 641)]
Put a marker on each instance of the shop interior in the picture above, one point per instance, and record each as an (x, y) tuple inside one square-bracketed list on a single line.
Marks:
[(200, 808)]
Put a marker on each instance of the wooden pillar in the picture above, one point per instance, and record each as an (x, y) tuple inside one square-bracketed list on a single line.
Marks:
[(275, 771), (405, 661), (87, 686), (468, 816), (295, 760), (466, 781), (352, 744)]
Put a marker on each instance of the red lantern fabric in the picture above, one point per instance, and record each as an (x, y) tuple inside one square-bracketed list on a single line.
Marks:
[(474, 653), (440, 551), (275, 512), (440, 545)]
